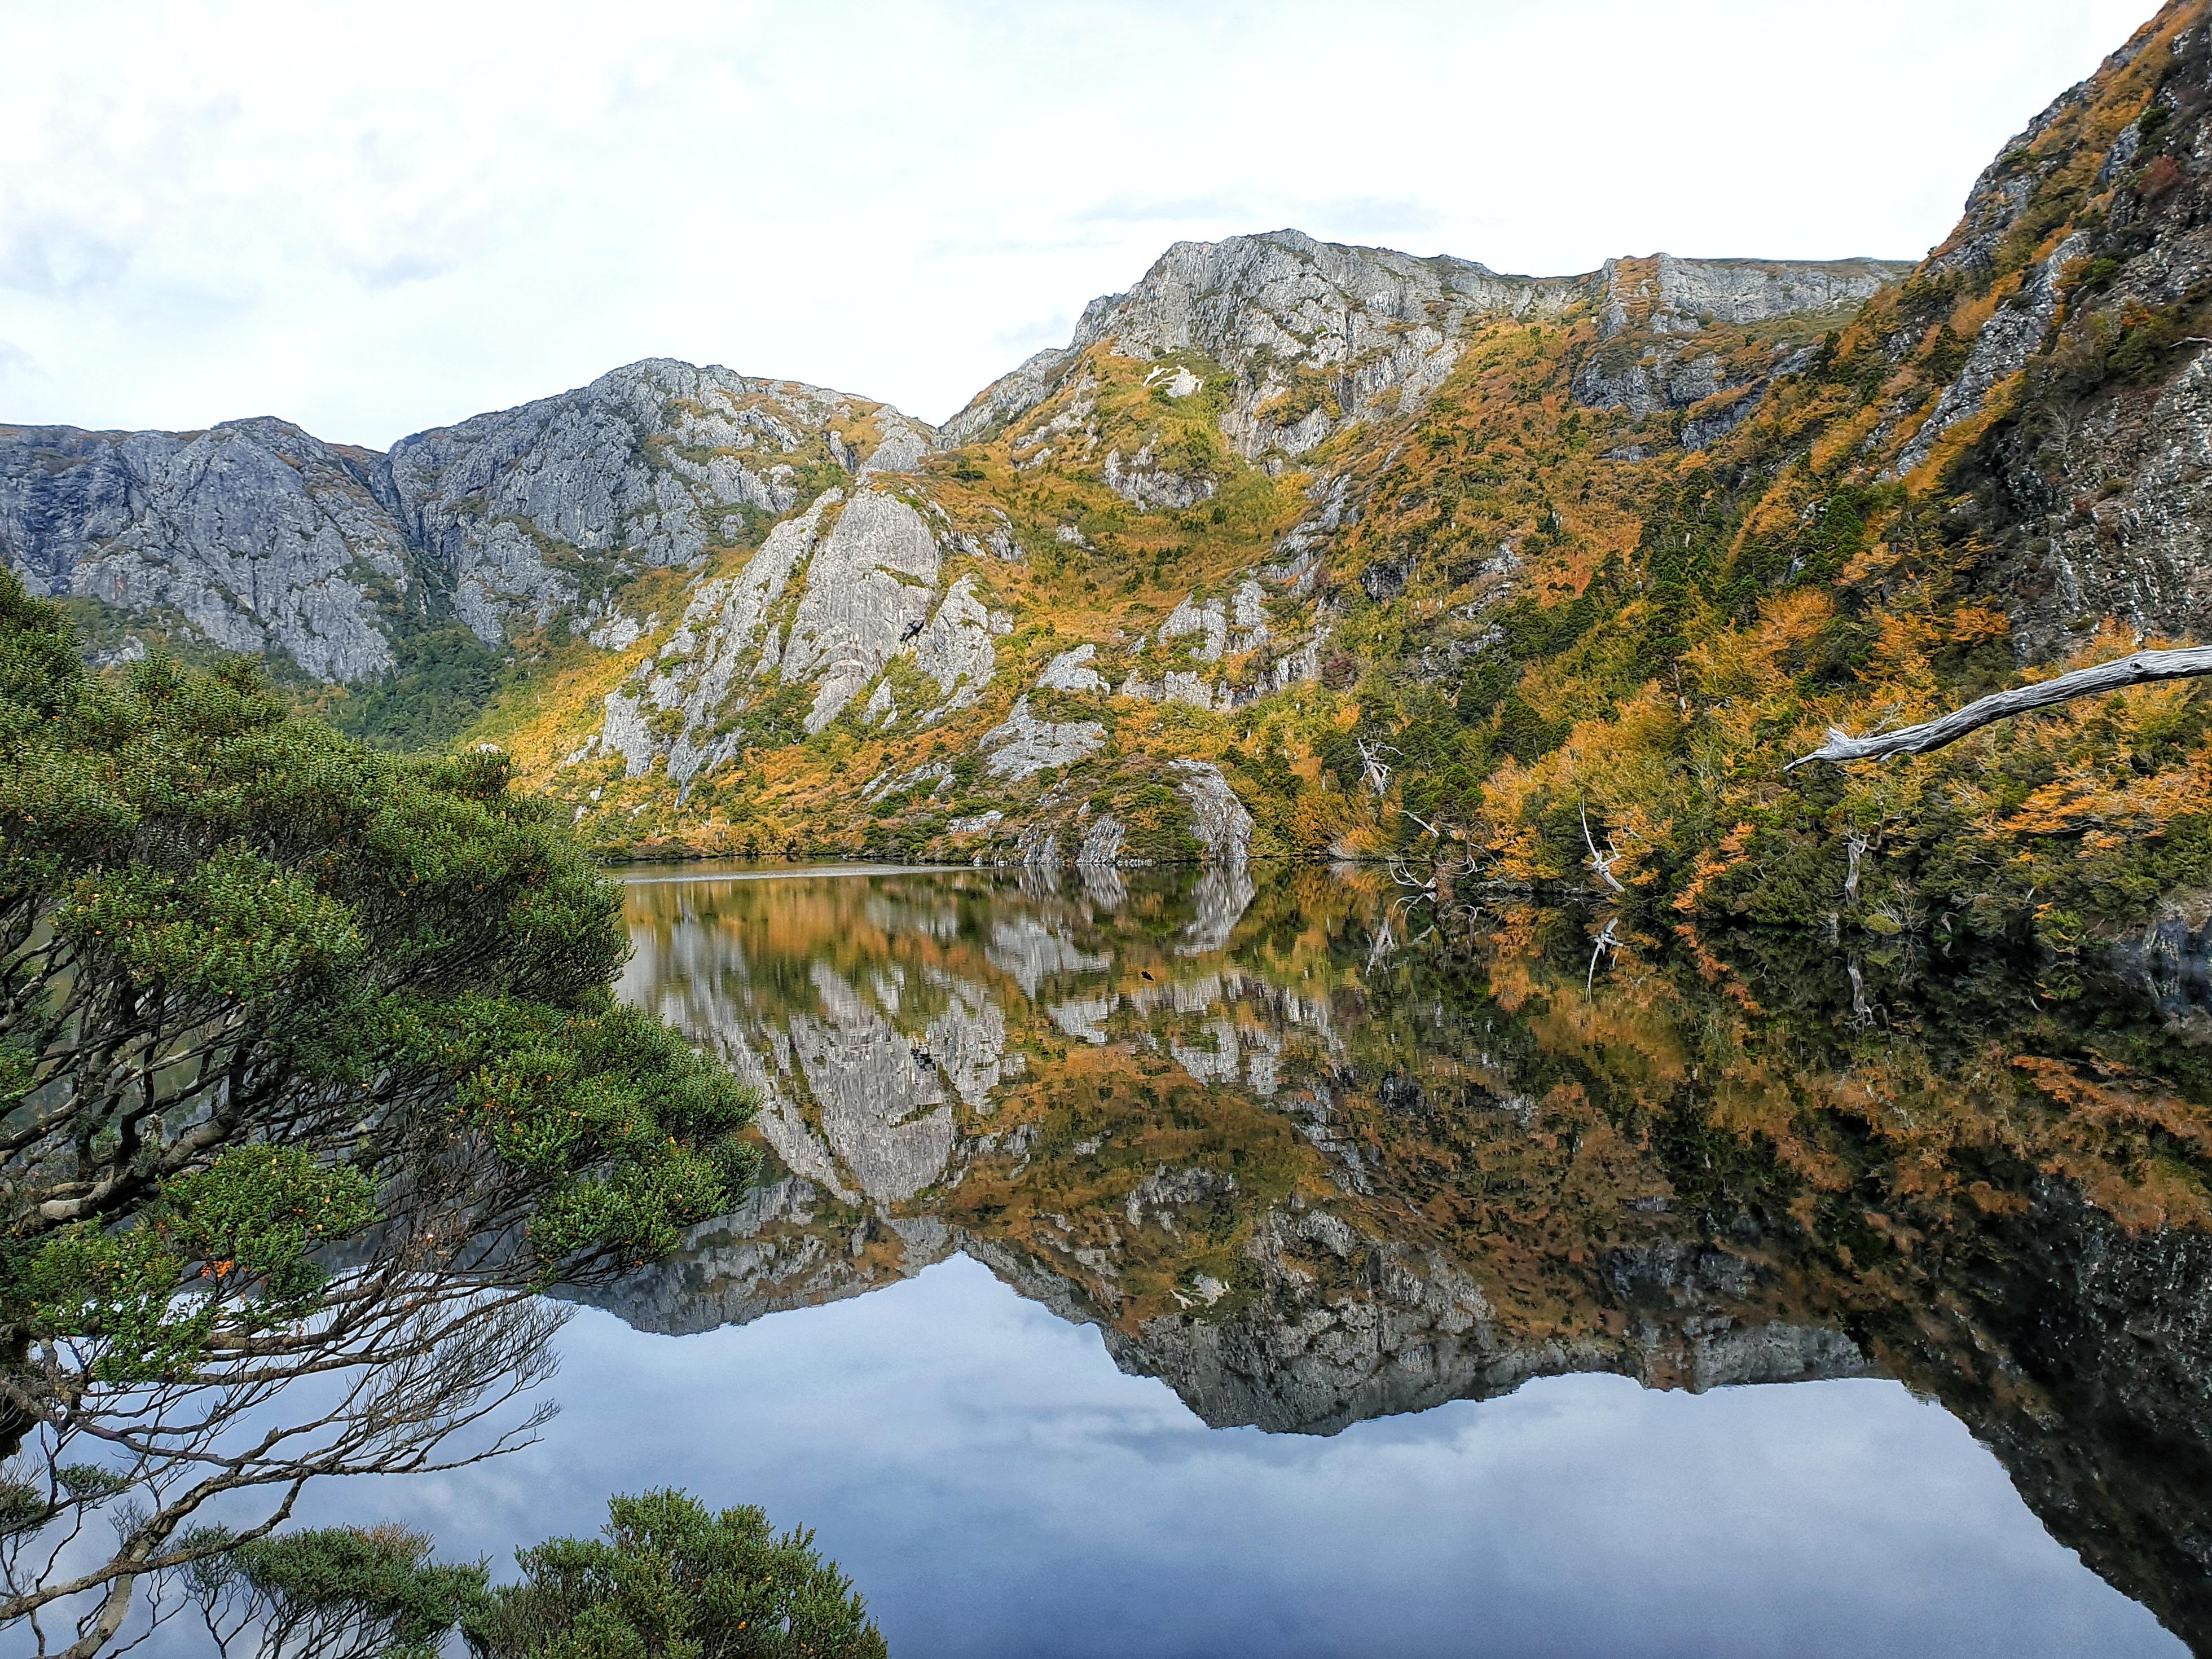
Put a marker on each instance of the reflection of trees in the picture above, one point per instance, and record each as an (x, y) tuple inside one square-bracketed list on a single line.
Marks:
[(1306, 1191)]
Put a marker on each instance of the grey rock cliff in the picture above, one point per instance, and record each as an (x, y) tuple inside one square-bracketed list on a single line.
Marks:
[(1316, 336), (1645, 364), (1274, 309), (532, 510), (252, 535)]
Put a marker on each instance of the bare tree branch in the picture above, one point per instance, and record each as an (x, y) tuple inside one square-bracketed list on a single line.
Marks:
[(1601, 862), (2142, 668)]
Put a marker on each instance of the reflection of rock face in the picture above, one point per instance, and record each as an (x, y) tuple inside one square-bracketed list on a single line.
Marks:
[(775, 1253), (1299, 1361), (1032, 953), (883, 1110), (968, 1041), (1334, 1322), (1223, 893), (2096, 1393), (1304, 1196)]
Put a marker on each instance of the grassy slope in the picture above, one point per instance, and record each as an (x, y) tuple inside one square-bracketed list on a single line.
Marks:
[(1545, 629)]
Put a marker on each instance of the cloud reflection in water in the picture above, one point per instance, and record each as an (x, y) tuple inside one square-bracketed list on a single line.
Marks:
[(998, 1488)]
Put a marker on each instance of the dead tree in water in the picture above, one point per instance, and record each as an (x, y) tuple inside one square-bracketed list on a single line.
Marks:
[(2142, 668)]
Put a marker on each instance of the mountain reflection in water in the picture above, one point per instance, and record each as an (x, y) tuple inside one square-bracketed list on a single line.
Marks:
[(1310, 1174)]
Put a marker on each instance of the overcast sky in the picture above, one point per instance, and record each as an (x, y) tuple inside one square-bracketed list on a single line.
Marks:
[(374, 219)]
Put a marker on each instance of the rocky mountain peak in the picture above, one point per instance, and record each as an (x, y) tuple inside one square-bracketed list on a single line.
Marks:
[(256, 536), (1669, 295), (1310, 335), (1314, 336)]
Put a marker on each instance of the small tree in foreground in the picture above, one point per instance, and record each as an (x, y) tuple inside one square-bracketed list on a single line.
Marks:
[(334, 1592), (671, 1580), (668, 1580), (310, 1079)]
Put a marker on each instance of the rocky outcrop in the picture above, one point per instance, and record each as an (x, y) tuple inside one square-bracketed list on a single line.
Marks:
[(1655, 355), (1024, 745), (535, 509), (954, 648), (2002, 349), (2080, 492), (870, 588), (1316, 336), (1667, 295), (1313, 334), (1218, 819), (716, 647), (1070, 670), (1145, 484), (252, 535)]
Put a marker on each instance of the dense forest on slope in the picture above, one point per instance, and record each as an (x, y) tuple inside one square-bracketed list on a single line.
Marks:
[(1307, 550)]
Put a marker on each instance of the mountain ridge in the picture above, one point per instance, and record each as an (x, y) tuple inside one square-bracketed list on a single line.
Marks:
[(1301, 549)]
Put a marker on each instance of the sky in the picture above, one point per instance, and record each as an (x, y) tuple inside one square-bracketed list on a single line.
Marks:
[(376, 219), (999, 1489)]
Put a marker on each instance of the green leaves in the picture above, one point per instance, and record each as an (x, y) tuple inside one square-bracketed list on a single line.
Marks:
[(236, 925), (257, 1214), (672, 1580), (349, 1590), (632, 1134), (241, 899), (233, 1243)]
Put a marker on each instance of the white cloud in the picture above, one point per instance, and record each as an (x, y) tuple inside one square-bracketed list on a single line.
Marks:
[(371, 220)]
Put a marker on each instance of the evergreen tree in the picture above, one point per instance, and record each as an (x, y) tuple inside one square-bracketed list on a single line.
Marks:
[(309, 1066)]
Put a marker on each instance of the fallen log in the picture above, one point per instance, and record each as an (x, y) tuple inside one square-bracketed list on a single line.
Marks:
[(2142, 668)]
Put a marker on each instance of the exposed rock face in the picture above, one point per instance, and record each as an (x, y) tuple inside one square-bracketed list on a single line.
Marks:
[(954, 648), (869, 589), (253, 536), (1026, 745), (1223, 894), (1070, 670), (2002, 349), (1316, 336), (1217, 818), (771, 1254), (1102, 844), (719, 639), (1681, 296), (1362, 323), (2117, 1329), (1032, 953), (2090, 485), (1143, 482), (649, 466), (1650, 303)]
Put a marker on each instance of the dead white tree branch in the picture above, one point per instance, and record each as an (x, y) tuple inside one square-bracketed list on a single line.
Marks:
[(1372, 766), (1606, 941), (1601, 862), (2142, 668)]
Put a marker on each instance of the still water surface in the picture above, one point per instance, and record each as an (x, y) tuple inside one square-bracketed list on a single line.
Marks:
[(1197, 1267)]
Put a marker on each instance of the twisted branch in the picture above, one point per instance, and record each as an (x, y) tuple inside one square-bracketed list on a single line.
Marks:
[(2142, 668)]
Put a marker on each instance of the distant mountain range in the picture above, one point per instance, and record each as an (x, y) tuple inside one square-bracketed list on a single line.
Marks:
[(1295, 548)]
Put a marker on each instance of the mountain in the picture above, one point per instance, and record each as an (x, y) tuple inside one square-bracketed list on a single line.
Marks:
[(505, 533), (1299, 549)]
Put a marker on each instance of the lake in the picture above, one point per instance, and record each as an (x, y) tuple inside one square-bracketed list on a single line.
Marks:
[(1253, 1262)]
